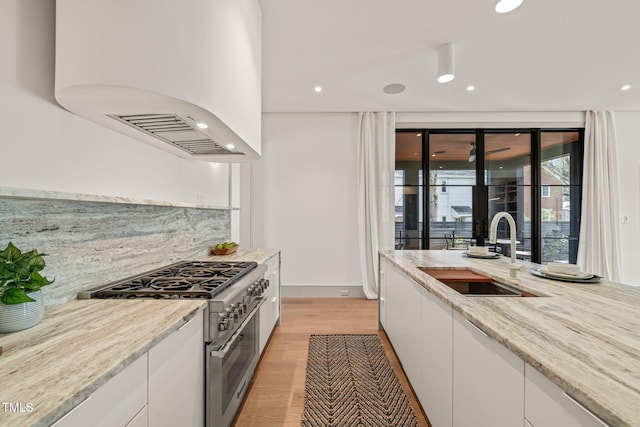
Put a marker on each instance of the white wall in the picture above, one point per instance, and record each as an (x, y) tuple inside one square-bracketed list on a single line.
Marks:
[(305, 200), (46, 148), (628, 139)]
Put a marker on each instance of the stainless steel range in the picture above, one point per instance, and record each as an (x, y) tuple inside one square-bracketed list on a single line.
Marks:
[(231, 326)]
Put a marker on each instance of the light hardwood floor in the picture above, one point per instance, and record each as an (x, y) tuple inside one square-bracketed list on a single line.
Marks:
[(276, 396)]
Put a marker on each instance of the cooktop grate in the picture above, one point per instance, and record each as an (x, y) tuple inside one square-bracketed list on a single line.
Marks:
[(186, 279)]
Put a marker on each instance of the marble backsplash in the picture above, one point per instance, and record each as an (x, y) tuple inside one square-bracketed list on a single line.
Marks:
[(91, 243)]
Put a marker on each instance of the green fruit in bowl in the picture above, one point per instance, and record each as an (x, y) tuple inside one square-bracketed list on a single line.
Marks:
[(225, 246)]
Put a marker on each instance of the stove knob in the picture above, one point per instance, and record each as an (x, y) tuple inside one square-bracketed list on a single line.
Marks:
[(223, 322), (235, 312)]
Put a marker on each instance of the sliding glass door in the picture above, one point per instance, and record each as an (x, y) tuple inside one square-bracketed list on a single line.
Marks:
[(508, 177), (452, 179)]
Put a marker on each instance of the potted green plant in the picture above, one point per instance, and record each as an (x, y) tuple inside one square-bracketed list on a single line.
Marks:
[(21, 301)]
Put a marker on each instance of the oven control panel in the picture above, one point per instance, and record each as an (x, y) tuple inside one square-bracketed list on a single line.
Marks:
[(234, 314)]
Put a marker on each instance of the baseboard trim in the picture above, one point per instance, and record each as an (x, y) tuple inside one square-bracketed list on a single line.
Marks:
[(321, 291)]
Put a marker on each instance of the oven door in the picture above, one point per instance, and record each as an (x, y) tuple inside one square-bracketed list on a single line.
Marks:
[(230, 370)]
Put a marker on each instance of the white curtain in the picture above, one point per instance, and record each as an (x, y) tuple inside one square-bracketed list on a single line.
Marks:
[(599, 248), (376, 165)]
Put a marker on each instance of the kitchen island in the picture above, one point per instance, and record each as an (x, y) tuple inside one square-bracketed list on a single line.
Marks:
[(585, 338)]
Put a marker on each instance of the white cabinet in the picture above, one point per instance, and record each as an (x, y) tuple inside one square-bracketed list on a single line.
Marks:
[(270, 310), (140, 420), (382, 292), (176, 377), (546, 404), (488, 379), (435, 389), (116, 403), (403, 320)]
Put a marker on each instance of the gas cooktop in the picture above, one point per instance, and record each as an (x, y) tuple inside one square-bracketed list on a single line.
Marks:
[(186, 279)]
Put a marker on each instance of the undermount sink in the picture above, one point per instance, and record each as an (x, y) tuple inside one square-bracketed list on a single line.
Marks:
[(472, 284)]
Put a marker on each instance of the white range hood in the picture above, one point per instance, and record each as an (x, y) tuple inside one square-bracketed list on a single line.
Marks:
[(184, 76)]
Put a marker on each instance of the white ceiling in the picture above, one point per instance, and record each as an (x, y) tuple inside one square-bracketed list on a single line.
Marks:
[(548, 55)]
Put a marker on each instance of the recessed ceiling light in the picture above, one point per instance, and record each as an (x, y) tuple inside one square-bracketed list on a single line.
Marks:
[(231, 146), (516, 134), (625, 87), (202, 125), (504, 6), (317, 89), (471, 88), (418, 134), (433, 155), (501, 167), (440, 167), (394, 88)]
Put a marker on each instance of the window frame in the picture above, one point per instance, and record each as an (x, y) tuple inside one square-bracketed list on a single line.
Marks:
[(480, 193)]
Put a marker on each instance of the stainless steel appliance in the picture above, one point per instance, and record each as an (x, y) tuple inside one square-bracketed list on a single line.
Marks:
[(231, 326)]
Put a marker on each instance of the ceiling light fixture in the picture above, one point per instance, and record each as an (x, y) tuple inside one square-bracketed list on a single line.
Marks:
[(317, 89), (446, 66), (418, 134), (625, 87), (202, 125), (505, 6), (471, 88), (231, 146)]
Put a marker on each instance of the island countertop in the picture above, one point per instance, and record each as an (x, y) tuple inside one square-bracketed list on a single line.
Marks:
[(583, 337), (77, 347)]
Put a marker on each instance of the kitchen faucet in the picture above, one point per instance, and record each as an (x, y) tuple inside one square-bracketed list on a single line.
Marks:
[(493, 230)]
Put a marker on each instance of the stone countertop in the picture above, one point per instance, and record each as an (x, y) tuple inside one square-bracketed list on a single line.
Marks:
[(583, 337), (76, 348), (258, 255)]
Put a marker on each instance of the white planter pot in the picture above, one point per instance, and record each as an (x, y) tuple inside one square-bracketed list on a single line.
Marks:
[(16, 317)]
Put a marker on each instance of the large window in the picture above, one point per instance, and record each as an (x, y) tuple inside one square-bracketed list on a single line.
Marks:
[(471, 175)]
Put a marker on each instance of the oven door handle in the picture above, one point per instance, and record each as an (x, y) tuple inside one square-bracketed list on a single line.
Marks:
[(238, 335)]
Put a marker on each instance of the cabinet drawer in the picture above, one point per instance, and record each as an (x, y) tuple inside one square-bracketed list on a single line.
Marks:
[(115, 403), (546, 404)]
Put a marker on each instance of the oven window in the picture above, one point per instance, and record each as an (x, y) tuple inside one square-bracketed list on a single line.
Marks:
[(238, 360)]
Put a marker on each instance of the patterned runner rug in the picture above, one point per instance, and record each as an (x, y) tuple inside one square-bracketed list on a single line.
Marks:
[(350, 382)]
